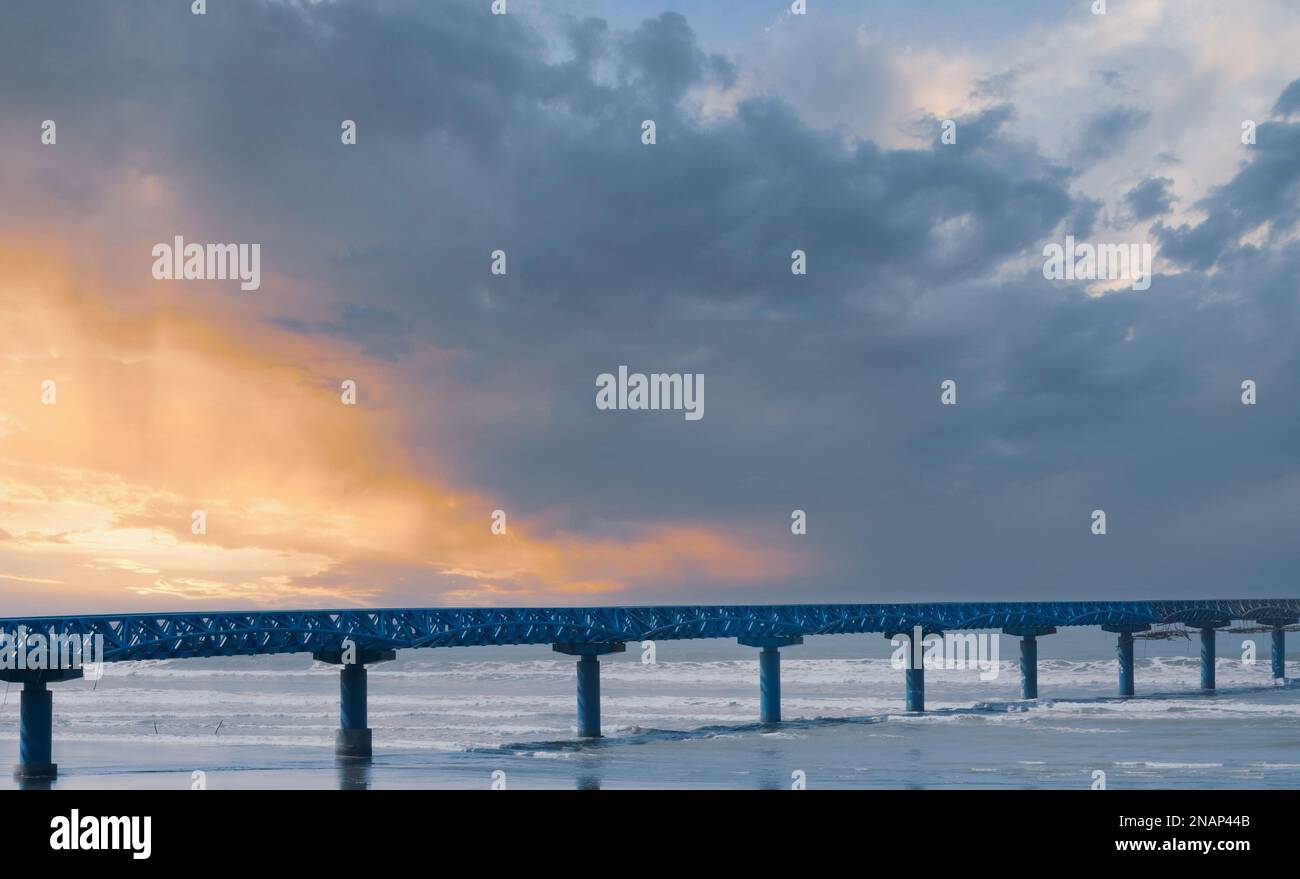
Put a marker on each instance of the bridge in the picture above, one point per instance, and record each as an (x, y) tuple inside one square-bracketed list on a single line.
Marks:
[(355, 638)]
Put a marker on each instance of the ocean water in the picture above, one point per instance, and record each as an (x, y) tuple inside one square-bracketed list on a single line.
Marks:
[(457, 718)]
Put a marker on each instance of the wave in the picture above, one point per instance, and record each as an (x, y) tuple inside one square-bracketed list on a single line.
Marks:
[(529, 705)]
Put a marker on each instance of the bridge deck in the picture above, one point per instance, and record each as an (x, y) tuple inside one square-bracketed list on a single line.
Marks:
[(243, 633)]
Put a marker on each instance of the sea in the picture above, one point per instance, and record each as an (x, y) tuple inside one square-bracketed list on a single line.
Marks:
[(504, 718)]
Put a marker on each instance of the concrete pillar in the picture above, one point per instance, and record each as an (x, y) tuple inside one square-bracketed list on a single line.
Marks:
[(1029, 635), (35, 732), (1029, 667), (589, 682), (1207, 658), (1125, 655), (1279, 653), (36, 721), (588, 697), (353, 740), (915, 684), (914, 670), (1124, 652), (769, 685), (769, 672)]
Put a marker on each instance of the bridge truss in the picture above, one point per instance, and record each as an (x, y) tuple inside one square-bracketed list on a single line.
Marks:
[(246, 633)]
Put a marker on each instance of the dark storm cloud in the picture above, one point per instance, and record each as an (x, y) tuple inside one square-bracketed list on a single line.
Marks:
[(477, 133), (1150, 198), (1083, 219), (663, 58), (469, 125), (1288, 104), (1106, 132), (1265, 190)]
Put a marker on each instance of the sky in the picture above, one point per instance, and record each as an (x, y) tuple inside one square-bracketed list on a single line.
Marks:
[(476, 392)]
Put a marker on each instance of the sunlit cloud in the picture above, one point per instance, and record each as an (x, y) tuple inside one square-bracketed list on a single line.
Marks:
[(184, 404)]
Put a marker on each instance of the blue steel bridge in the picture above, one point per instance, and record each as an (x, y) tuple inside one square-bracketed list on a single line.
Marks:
[(356, 638)]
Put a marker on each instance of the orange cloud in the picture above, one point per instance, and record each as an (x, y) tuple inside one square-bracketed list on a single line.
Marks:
[(173, 399)]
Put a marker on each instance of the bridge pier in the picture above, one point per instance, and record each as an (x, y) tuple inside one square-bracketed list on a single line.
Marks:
[(1124, 653), (1029, 657), (769, 672), (914, 671), (1208, 627), (36, 721), (589, 682), (1207, 658), (353, 739), (1029, 667), (1279, 653), (914, 686)]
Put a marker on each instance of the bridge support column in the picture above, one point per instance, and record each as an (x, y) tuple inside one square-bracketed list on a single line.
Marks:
[(1278, 654), (769, 672), (1124, 653), (589, 682), (353, 739), (1029, 656), (769, 685), (36, 733), (915, 688), (914, 670), (36, 721), (1207, 658), (588, 697), (1125, 656), (1029, 667)]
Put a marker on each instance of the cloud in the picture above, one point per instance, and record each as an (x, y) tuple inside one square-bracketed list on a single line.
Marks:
[(1150, 198), (479, 132), (19, 579), (188, 407), (1288, 103), (1264, 194), (999, 86), (1105, 133)]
